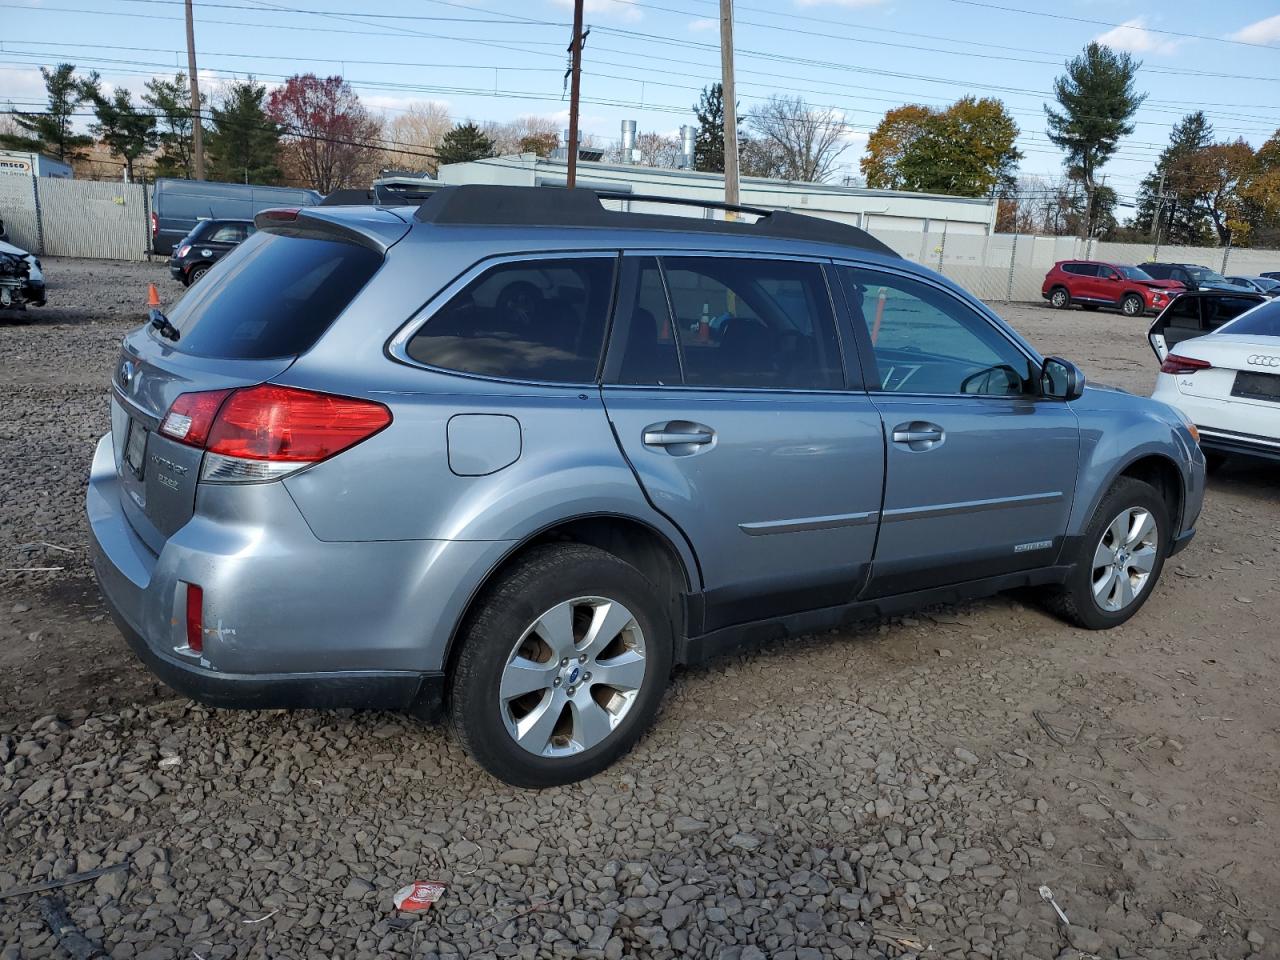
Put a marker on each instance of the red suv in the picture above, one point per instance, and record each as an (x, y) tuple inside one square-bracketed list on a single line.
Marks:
[(1093, 284)]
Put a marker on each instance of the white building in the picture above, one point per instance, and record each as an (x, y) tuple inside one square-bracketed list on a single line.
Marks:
[(874, 210)]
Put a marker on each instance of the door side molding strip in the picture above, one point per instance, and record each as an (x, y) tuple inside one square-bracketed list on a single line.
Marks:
[(805, 524), (969, 506)]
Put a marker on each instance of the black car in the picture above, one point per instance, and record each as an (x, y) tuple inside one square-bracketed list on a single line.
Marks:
[(208, 242), (1190, 275)]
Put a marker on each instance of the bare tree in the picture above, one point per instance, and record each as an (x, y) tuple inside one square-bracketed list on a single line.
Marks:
[(413, 136), (515, 135), (803, 141), (657, 150)]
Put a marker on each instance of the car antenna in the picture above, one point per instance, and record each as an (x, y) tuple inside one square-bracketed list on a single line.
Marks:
[(158, 319)]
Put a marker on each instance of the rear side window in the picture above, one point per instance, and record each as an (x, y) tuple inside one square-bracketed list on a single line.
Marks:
[(272, 296), (1263, 322), (531, 320), (1081, 269), (753, 323), (1156, 271)]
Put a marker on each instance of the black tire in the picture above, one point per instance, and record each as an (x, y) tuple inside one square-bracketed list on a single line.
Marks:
[(1059, 298), (1074, 600), (196, 273), (534, 584), (1132, 305)]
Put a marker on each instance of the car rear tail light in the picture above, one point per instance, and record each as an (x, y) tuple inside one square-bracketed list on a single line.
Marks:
[(190, 418), (183, 251), (282, 214), (195, 618), (268, 431), (1183, 365), (155, 225)]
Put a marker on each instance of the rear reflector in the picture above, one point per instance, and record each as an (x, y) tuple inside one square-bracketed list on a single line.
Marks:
[(1183, 365), (264, 432), (195, 618)]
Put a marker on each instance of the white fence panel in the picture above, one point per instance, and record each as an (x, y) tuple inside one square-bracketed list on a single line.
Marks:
[(18, 211), (84, 218)]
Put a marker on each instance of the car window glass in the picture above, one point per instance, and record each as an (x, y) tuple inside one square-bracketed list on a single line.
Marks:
[(530, 320), (271, 296), (925, 340), (649, 351), (1220, 310), (227, 233), (1184, 313), (1263, 322), (753, 323)]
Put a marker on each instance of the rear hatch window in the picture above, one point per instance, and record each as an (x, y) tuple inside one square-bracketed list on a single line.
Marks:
[(273, 296)]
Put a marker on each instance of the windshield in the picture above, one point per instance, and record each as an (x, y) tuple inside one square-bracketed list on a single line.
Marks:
[(1261, 321), (1205, 275), (1266, 283), (1135, 273)]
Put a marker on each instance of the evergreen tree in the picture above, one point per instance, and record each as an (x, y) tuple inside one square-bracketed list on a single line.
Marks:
[(127, 131), (1097, 100), (244, 143), (465, 142), (708, 149), (1184, 211), (50, 131), (171, 102)]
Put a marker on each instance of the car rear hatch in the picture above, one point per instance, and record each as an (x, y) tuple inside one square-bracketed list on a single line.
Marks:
[(263, 305)]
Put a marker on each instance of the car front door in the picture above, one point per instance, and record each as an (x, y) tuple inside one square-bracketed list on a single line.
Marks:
[(725, 386), (980, 469)]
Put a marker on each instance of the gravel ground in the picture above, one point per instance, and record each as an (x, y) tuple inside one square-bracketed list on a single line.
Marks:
[(898, 790)]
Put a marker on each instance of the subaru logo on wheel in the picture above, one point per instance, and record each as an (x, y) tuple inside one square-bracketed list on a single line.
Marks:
[(1262, 360)]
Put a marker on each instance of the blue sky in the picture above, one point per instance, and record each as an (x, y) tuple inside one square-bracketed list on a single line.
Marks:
[(648, 59)]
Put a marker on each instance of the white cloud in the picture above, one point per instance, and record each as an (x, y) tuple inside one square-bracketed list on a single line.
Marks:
[(1134, 37), (838, 3), (622, 9), (1264, 31), (699, 26)]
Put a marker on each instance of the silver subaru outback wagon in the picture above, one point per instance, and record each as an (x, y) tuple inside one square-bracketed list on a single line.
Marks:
[(514, 455)]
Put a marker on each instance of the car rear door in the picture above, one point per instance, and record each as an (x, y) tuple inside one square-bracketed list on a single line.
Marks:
[(980, 470), (726, 390)]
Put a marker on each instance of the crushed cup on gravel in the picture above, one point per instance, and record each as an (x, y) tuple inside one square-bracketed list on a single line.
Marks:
[(418, 896)]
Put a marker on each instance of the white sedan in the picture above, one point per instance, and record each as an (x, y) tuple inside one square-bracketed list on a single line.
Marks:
[(1220, 365)]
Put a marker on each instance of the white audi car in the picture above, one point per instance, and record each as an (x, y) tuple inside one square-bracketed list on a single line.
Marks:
[(1220, 365)]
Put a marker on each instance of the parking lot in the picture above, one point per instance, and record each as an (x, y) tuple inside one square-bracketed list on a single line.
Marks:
[(900, 789)]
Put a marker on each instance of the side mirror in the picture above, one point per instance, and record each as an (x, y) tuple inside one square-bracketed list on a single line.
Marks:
[(1061, 380)]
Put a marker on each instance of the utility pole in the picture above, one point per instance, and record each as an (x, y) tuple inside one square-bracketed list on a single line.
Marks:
[(1155, 254), (197, 122), (730, 103), (575, 85)]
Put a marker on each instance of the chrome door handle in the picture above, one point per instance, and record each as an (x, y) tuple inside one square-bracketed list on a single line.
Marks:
[(661, 438), (916, 436)]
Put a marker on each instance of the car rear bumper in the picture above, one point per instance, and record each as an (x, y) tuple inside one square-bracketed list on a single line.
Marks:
[(1226, 441), (1226, 425), (289, 620)]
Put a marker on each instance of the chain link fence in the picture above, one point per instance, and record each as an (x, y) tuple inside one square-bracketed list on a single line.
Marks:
[(1006, 266)]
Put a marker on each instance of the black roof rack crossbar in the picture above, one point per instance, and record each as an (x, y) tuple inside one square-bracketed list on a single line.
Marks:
[(493, 206), (682, 202)]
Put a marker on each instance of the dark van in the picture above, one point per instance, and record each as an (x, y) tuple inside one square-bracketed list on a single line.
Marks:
[(178, 205)]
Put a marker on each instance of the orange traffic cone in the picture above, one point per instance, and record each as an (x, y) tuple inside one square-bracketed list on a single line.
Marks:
[(153, 295)]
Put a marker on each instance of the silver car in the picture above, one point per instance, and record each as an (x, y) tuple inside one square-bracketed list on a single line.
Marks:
[(515, 455)]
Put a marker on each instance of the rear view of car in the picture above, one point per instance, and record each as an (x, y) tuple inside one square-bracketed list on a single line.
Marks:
[(1227, 381), (207, 243)]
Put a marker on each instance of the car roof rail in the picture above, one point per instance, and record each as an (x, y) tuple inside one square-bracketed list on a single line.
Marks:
[(380, 194), (489, 205)]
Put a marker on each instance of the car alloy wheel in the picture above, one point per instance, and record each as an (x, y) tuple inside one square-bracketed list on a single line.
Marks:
[(1124, 559), (1058, 298), (1132, 306), (572, 677)]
